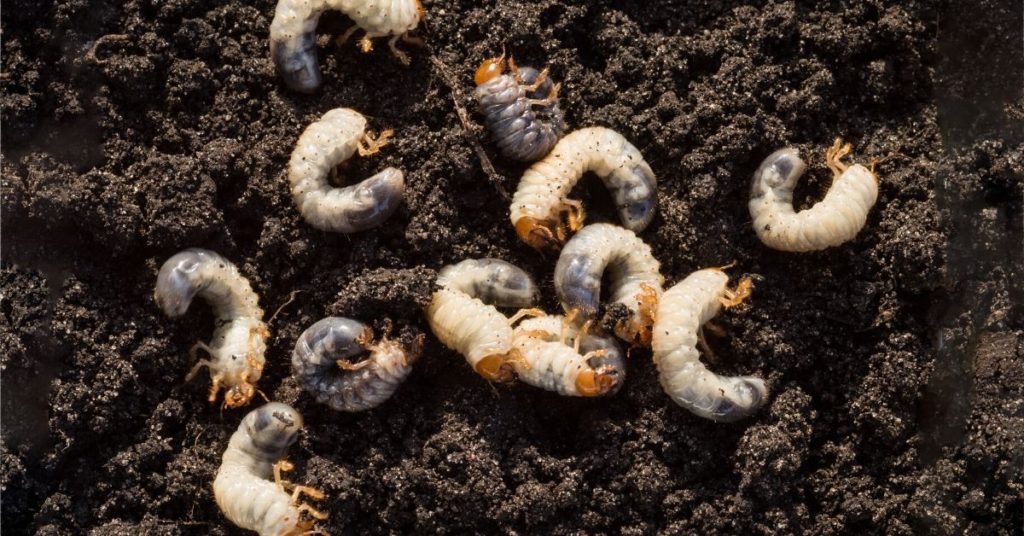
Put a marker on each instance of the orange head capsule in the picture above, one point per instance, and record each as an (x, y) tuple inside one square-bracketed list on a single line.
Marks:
[(595, 382), (496, 367), (490, 69), (536, 233)]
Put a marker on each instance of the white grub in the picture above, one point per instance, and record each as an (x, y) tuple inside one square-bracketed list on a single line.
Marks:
[(832, 221), (634, 277), (541, 202), (255, 453), (321, 147), (463, 316), (682, 311), (239, 340), (555, 355), (321, 363), (293, 33), (520, 108)]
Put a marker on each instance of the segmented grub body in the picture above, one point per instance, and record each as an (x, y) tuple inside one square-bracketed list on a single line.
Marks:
[(541, 202), (242, 487), (520, 108), (682, 310), (321, 147), (555, 356), (239, 340), (832, 221), (463, 316), (634, 277), (293, 33), (321, 363)]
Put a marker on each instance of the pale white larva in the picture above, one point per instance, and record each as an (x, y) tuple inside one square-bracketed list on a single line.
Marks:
[(835, 219), (541, 201), (556, 355), (463, 317), (239, 341), (242, 487), (321, 364), (682, 310), (293, 33), (321, 147), (634, 277)]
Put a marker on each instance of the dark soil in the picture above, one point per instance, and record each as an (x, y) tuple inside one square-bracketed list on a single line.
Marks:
[(896, 362)]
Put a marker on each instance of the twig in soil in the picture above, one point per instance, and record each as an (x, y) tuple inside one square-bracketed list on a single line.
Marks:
[(90, 56), (291, 298), (470, 130)]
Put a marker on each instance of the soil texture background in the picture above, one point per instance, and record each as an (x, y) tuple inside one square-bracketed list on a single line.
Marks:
[(895, 362)]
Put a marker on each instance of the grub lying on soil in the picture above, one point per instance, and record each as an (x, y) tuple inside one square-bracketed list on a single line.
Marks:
[(895, 360)]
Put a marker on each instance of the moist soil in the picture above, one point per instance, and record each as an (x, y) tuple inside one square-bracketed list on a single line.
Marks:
[(895, 361)]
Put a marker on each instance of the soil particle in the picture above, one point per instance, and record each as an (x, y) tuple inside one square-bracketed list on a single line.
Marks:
[(895, 361)]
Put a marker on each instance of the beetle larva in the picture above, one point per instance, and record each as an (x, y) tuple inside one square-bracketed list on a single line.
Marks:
[(835, 219), (463, 318), (321, 363), (239, 340), (255, 453), (321, 147), (635, 280), (540, 203), (558, 356), (682, 310), (520, 108), (293, 33)]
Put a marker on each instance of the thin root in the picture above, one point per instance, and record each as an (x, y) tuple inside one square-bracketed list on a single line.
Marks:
[(875, 162), (91, 57), (291, 297), (470, 129)]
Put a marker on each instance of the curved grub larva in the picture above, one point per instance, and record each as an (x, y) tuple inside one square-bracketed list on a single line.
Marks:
[(520, 108), (239, 341), (293, 33), (242, 487), (321, 147), (540, 204), (555, 356), (463, 317), (682, 310), (835, 219), (321, 363), (634, 276)]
